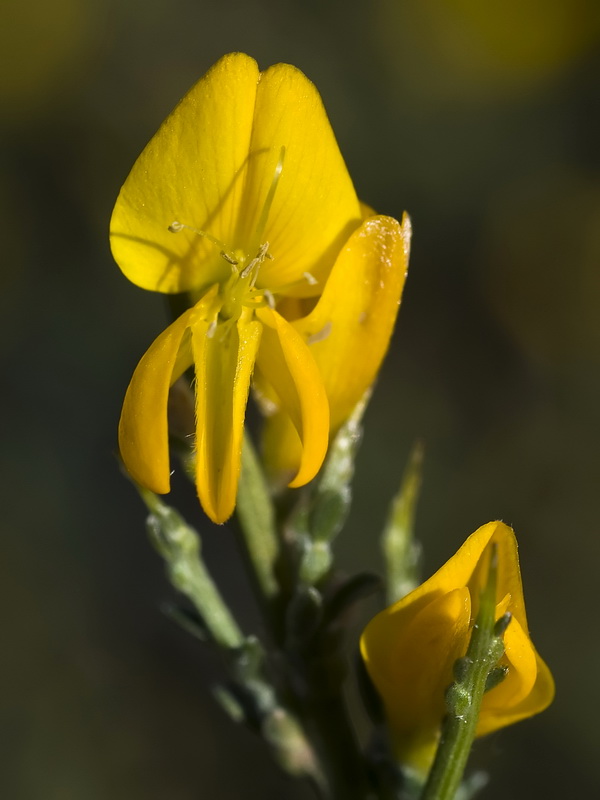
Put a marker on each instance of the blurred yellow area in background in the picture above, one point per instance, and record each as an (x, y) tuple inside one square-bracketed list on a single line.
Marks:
[(45, 52), (476, 49)]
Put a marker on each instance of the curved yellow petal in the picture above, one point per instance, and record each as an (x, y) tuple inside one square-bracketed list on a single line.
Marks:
[(192, 171), (143, 429), (538, 699), (527, 689), (411, 665), (314, 207), (224, 362), (349, 329), (281, 445), (286, 364), (462, 570)]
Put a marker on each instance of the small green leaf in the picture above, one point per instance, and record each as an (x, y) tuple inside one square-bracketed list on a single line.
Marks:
[(495, 677), (401, 552)]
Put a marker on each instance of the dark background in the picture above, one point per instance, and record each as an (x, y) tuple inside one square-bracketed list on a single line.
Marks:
[(480, 119)]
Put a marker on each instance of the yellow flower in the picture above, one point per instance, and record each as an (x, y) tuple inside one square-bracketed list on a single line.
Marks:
[(242, 200), (409, 648)]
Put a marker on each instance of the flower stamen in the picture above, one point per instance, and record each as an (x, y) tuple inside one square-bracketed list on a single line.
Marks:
[(263, 252), (177, 227), (262, 222), (319, 336)]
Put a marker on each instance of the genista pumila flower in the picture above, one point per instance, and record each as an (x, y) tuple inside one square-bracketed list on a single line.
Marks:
[(243, 201), (409, 648)]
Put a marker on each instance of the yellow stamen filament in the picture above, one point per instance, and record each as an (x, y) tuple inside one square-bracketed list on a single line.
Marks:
[(319, 336), (262, 222), (177, 227)]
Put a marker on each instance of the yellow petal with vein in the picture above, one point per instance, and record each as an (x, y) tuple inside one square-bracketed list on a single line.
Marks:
[(224, 364), (193, 172), (315, 207), (406, 668), (143, 428), (286, 364)]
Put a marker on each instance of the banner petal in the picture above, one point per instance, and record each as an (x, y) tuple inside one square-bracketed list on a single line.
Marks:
[(193, 172)]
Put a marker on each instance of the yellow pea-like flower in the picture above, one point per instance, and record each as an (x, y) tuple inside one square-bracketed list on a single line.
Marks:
[(409, 648), (242, 200)]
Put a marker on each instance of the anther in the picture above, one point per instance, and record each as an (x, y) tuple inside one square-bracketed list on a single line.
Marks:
[(310, 279), (230, 259), (177, 227), (256, 261)]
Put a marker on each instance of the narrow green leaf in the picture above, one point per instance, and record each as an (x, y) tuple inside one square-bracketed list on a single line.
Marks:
[(401, 552)]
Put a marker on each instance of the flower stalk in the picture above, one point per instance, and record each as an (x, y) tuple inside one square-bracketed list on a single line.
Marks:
[(254, 509), (179, 545), (247, 696), (472, 675)]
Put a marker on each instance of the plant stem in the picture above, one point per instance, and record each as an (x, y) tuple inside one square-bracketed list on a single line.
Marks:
[(465, 695), (179, 545), (340, 755), (256, 516)]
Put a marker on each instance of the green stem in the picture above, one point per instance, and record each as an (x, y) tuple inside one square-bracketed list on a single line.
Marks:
[(257, 704), (338, 749), (256, 516), (179, 545), (465, 695)]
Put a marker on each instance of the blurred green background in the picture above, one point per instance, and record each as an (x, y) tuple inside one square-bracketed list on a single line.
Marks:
[(483, 121)]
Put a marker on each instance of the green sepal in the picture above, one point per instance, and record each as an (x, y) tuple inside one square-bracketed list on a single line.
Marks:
[(495, 677), (502, 624)]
